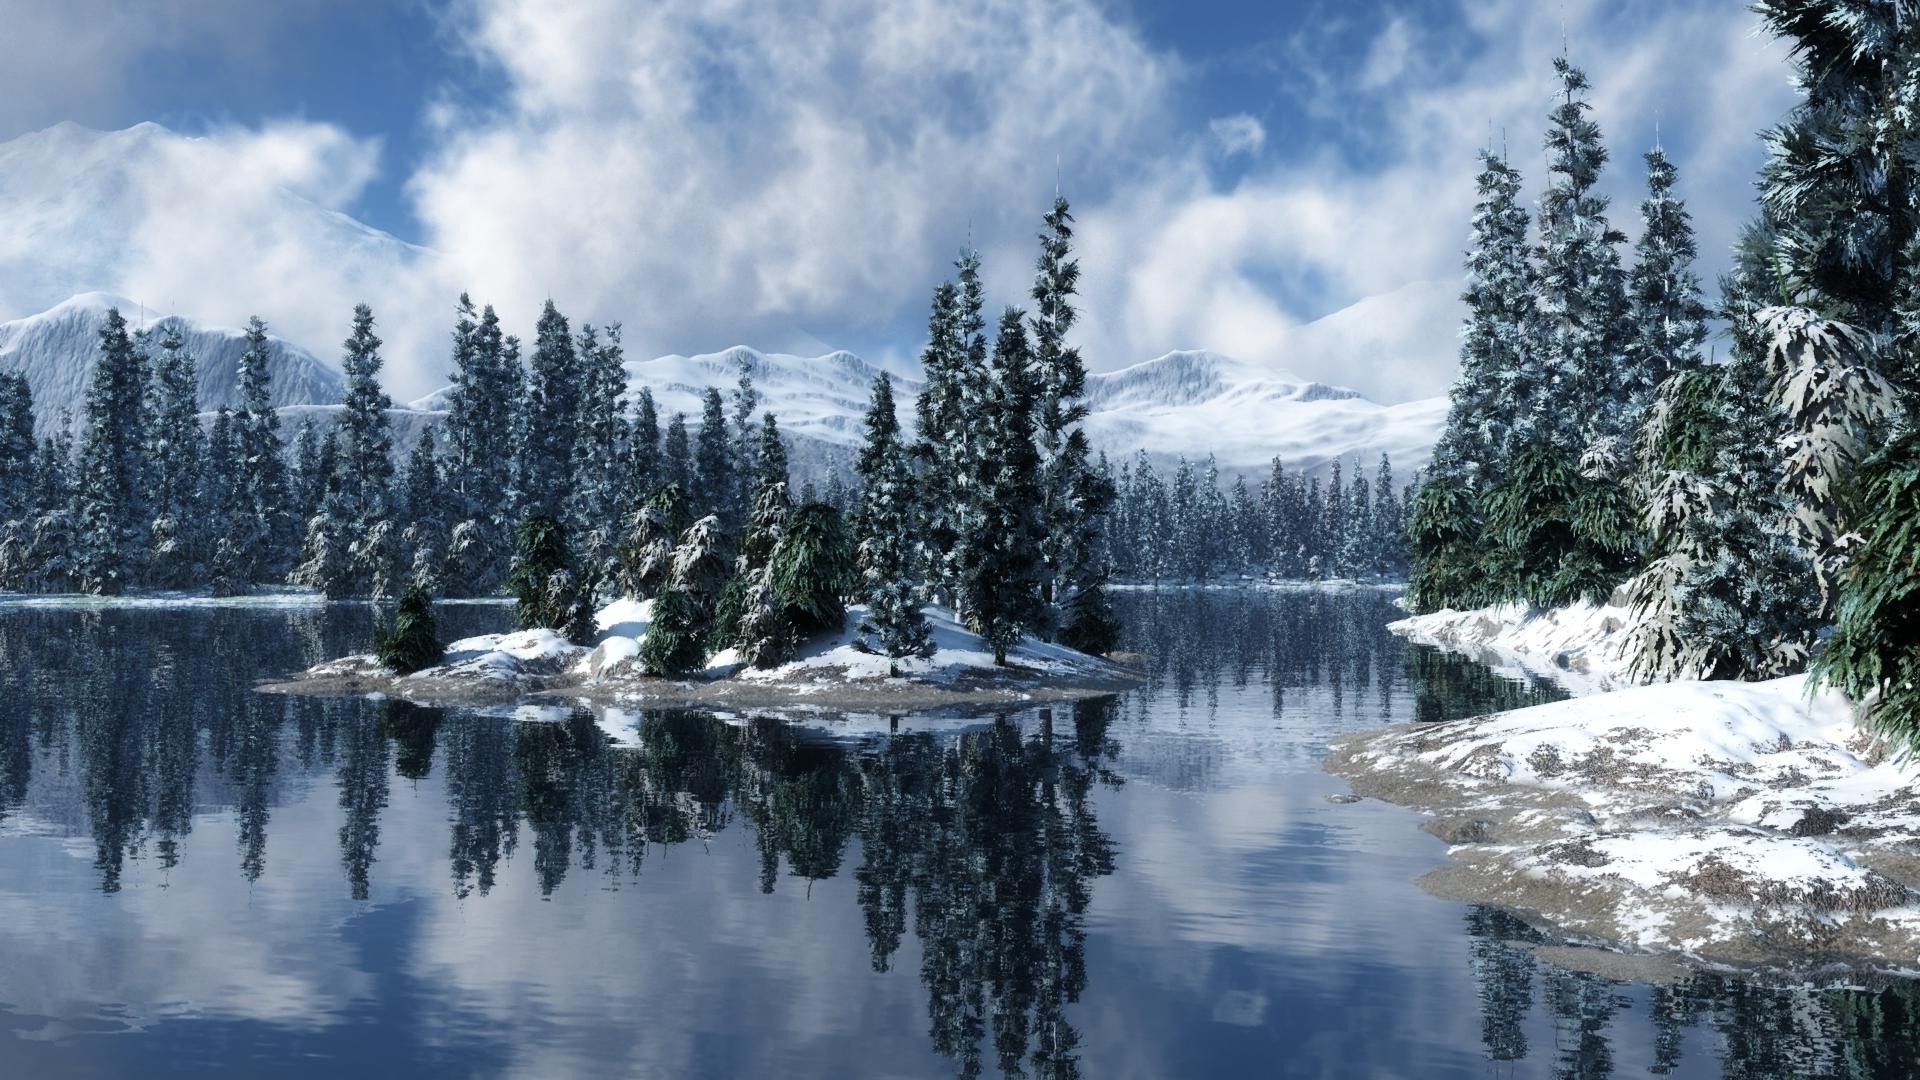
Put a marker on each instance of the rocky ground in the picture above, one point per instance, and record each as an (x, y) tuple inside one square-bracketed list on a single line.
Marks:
[(828, 673), (1748, 826)]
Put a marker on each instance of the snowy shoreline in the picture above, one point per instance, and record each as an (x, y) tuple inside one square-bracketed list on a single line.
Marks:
[(1736, 826), (828, 672), (1581, 647)]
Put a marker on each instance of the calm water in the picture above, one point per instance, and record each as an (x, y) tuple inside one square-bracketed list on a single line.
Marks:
[(199, 880)]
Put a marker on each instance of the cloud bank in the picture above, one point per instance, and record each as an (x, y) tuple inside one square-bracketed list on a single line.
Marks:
[(799, 175)]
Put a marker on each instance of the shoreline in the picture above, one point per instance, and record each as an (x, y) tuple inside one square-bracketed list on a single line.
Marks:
[(1734, 827)]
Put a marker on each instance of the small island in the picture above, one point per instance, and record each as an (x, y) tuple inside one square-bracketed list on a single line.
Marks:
[(828, 671)]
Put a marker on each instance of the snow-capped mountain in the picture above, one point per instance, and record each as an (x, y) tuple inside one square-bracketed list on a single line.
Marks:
[(1197, 403), (57, 349), (207, 226)]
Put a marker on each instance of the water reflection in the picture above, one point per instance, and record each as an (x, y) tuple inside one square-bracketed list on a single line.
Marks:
[(969, 857)]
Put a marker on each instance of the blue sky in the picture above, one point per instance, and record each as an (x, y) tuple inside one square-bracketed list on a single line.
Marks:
[(795, 175)]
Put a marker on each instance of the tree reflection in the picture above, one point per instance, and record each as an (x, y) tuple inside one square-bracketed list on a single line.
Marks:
[(1760, 1031)]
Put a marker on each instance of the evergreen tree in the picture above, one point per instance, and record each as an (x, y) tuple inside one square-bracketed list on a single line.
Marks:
[(1389, 524), (1498, 401), (1357, 556), (1841, 191), (1074, 497), (1581, 291), (701, 565), (16, 445), (770, 460), (545, 586), (480, 453), (595, 498), (894, 625), (174, 464), (745, 443), (270, 530), (307, 480), (426, 536), (1666, 319), (750, 614), (110, 497), (713, 478), (411, 643), (223, 499), (643, 450), (938, 415), (1333, 527), (676, 455), (550, 425), (646, 556), (674, 645), (1000, 580), (351, 547)]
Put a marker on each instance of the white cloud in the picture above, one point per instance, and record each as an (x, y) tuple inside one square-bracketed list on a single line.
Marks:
[(1238, 134), (788, 174), (715, 172)]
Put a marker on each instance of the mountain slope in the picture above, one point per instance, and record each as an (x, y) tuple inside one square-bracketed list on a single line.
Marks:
[(57, 349)]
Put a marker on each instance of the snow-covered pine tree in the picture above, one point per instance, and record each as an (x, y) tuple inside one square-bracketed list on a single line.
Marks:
[(1389, 524), (412, 642), (110, 491), (674, 645), (1244, 534), (272, 531), (643, 450), (1496, 401), (595, 500), (223, 503), (750, 615), (16, 447), (1358, 556), (550, 419), (713, 477), (1000, 576), (424, 542), (701, 564), (176, 558), (40, 557), (646, 554), (1666, 319), (676, 455), (16, 478), (352, 546), (544, 583), (480, 453), (306, 483), (812, 570), (770, 459), (1074, 497), (744, 441), (938, 414), (1565, 528), (1333, 527), (888, 561)]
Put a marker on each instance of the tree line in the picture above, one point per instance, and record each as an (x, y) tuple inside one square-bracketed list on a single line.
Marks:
[(1289, 527), (547, 481), (1755, 509)]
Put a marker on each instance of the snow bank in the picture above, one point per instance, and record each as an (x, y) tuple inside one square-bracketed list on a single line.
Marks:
[(826, 670), (1743, 824), (1581, 647)]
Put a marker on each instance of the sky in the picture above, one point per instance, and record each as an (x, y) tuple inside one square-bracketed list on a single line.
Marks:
[(797, 175)]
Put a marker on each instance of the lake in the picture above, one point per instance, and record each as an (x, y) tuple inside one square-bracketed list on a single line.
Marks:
[(199, 880)]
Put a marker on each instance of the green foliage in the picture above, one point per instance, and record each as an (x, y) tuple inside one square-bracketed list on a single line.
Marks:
[(542, 559), (1443, 529), (1874, 654), (411, 643), (812, 569), (674, 645), (1091, 627), (1555, 537), (646, 554)]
